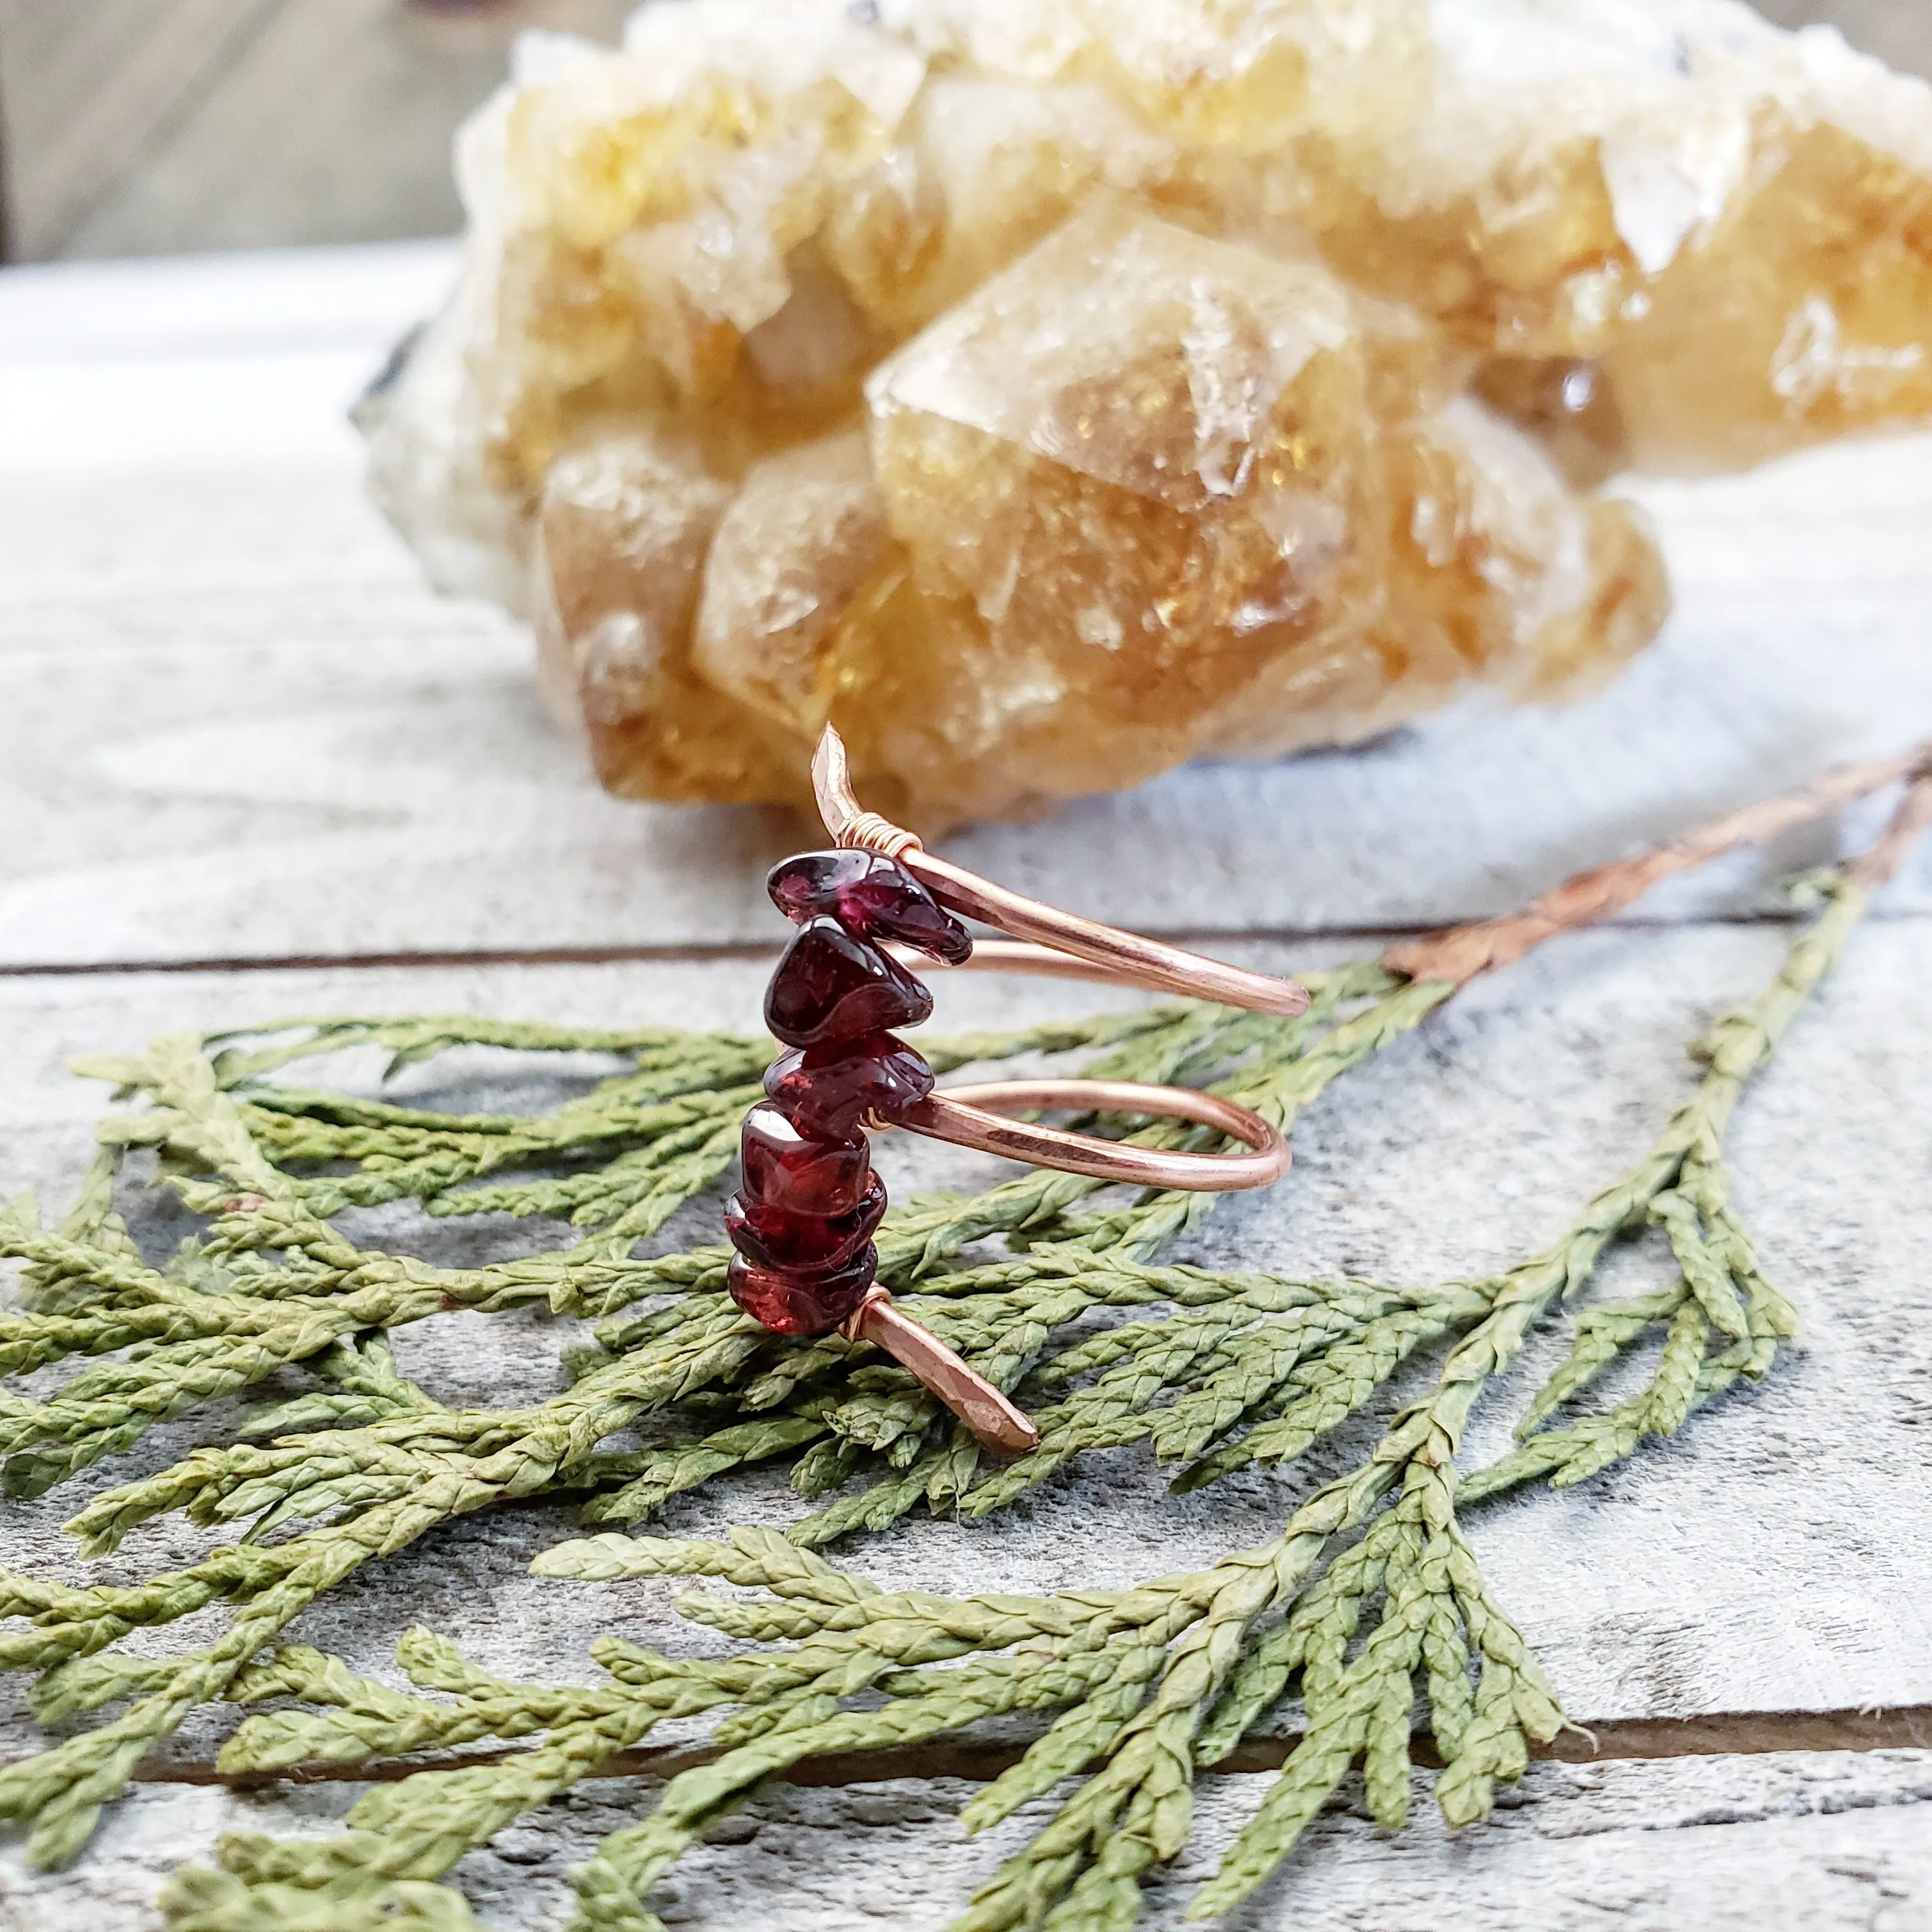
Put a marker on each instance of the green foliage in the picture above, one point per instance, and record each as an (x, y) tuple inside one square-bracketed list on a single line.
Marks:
[(1368, 1599)]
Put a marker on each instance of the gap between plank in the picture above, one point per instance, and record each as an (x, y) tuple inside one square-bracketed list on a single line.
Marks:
[(753, 951), (1750, 1734)]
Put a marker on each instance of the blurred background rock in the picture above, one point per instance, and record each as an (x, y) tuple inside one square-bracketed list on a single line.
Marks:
[(157, 126)]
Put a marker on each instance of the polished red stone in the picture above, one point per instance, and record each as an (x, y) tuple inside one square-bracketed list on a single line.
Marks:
[(790, 1303), (831, 987), (773, 1237), (806, 1172), (802, 1223), (872, 897), (826, 1091)]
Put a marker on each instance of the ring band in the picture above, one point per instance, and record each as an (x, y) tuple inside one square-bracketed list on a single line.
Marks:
[(971, 1117), (802, 1222), (996, 1423), (1124, 957)]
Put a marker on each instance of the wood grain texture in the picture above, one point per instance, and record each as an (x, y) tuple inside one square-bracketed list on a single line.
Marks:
[(154, 127), (357, 729), (88, 91), (1803, 1842), (275, 301), (186, 564), (233, 726)]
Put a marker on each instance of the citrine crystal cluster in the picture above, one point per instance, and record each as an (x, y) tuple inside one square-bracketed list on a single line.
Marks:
[(803, 1220), (1047, 391)]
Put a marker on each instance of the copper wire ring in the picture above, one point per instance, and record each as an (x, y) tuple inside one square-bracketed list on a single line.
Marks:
[(972, 1116), (1044, 940), (1065, 946)]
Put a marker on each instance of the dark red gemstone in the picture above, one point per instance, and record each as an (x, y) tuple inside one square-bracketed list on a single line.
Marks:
[(831, 987), (791, 1303), (771, 1237), (872, 896), (807, 1173), (826, 1091)]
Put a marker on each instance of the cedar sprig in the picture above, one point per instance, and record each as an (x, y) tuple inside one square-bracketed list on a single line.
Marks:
[(1214, 1651), (1217, 1370), (224, 1316), (292, 1288)]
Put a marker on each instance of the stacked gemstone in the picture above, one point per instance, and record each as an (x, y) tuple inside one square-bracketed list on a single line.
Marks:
[(802, 1222)]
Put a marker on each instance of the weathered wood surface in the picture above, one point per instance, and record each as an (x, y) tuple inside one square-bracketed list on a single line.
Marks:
[(86, 92), (148, 127), (1771, 1560), (186, 568), (1825, 1842), (233, 728)]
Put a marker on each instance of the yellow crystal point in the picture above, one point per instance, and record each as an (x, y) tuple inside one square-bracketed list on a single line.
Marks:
[(1048, 391)]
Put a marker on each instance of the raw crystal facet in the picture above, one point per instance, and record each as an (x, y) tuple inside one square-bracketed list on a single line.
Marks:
[(622, 530), (1046, 392)]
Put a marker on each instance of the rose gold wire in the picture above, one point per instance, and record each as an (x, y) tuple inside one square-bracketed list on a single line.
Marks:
[(1008, 956), (972, 1117), (1125, 957), (1064, 946), (1456, 955), (994, 1421)]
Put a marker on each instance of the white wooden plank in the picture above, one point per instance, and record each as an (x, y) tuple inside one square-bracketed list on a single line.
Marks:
[(345, 110), (1756, 686), (178, 494), (1826, 1843), (330, 786), (1774, 1558), (1787, 1842), (185, 414), (395, 789), (245, 553), (274, 298), (85, 89)]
